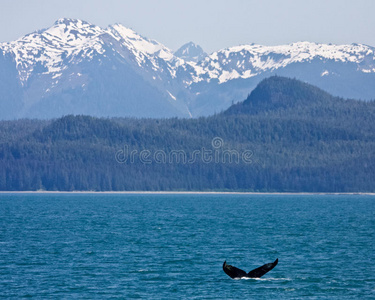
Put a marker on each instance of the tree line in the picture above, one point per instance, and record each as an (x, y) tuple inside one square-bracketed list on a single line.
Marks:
[(287, 136)]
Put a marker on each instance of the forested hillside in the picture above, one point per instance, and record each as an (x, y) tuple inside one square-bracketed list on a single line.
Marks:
[(287, 136)]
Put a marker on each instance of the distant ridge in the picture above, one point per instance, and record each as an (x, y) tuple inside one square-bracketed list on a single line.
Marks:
[(275, 93)]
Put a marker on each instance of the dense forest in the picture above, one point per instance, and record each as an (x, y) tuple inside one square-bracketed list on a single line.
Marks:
[(287, 136)]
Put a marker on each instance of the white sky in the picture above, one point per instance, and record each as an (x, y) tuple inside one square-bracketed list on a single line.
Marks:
[(213, 24)]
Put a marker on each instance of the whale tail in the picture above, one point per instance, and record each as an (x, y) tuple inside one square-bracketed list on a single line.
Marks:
[(234, 272), (259, 272)]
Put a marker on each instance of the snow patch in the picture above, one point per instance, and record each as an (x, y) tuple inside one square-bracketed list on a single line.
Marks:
[(173, 97), (368, 70), (225, 76)]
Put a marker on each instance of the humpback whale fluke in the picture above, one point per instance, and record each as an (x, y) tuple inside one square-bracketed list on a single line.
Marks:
[(234, 272)]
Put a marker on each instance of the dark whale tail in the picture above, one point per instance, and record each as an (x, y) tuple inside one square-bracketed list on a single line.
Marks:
[(234, 272)]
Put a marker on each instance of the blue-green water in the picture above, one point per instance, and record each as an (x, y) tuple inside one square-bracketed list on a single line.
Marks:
[(97, 246)]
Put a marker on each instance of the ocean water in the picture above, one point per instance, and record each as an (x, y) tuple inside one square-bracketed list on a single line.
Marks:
[(172, 246)]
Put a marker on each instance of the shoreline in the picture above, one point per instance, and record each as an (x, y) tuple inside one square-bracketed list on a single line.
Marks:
[(185, 192)]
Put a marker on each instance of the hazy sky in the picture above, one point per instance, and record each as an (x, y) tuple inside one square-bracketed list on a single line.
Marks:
[(211, 24)]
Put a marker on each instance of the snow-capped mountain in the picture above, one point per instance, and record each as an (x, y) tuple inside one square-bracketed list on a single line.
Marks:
[(191, 52), (77, 67), (251, 60), (67, 41), (342, 70)]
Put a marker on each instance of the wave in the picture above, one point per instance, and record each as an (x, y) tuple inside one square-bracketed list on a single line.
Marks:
[(265, 279)]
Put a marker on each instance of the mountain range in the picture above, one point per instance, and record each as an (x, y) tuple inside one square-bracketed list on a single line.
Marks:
[(75, 67)]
